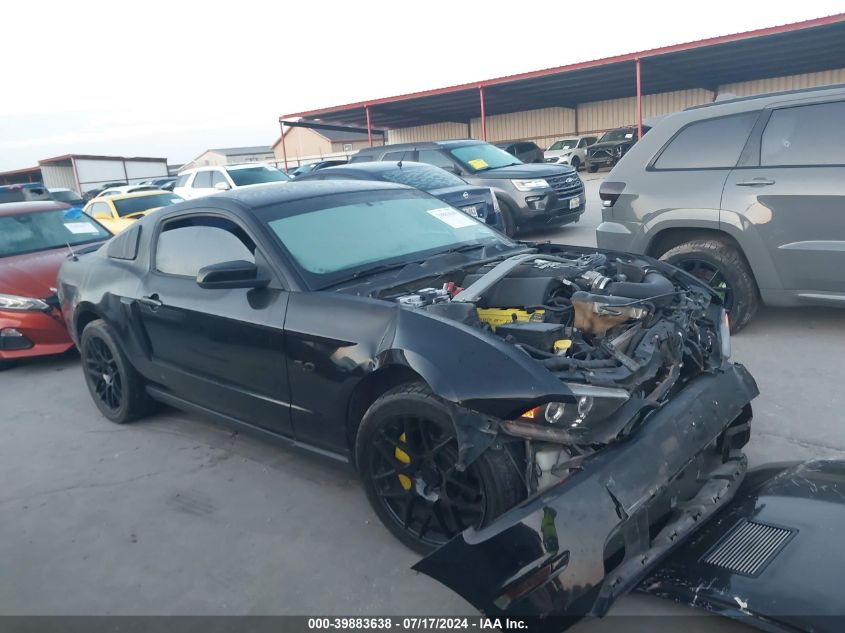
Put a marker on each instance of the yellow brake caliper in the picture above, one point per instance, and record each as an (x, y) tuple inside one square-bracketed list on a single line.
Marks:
[(403, 457)]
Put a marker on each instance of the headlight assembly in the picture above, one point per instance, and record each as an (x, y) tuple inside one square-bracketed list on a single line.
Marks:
[(579, 416), (22, 304), (531, 184)]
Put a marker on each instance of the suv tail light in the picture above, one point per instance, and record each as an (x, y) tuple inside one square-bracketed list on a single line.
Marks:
[(609, 192)]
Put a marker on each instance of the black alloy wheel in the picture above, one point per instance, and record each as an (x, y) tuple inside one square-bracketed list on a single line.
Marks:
[(407, 455), (711, 275), (414, 470), (103, 373)]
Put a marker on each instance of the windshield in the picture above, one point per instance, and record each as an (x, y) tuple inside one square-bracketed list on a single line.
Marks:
[(423, 177), (256, 175), (333, 238), (483, 156), (45, 230), (17, 193), (144, 203), (566, 143), (622, 134), (71, 197)]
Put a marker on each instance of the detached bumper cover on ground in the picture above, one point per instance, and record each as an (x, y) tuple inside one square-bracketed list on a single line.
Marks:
[(576, 547)]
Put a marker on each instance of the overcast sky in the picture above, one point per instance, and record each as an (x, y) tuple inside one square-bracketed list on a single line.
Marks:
[(174, 78)]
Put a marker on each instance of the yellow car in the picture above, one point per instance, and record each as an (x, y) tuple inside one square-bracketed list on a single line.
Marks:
[(119, 211)]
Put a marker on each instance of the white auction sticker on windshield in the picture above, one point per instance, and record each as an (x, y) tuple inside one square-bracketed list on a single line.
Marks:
[(452, 217), (81, 227)]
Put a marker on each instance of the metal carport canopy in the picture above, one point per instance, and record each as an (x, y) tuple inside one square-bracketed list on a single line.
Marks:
[(800, 47)]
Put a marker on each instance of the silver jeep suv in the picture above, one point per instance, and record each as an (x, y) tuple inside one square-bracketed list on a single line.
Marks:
[(747, 194)]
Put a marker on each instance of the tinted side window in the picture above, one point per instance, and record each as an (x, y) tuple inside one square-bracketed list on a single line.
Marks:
[(186, 245), (182, 180), (708, 144), (805, 135), (395, 156), (202, 180), (99, 207), (436, 158)]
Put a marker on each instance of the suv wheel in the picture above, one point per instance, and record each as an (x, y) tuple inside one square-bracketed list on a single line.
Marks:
[(592, 168), (721, 266), (576, 163), (510, 228)]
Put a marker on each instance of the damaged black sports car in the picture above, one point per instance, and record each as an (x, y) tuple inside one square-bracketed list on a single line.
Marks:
[(544, 422)]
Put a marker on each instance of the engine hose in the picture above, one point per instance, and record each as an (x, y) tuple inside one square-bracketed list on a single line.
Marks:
[(654, 286)]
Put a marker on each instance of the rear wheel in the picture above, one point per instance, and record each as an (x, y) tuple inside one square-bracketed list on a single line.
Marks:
[(116, 387), (721, 266), (407, 455)]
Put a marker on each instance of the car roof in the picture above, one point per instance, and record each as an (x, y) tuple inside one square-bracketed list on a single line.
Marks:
[(774, 97), (134, 194), (32, 206), (266, 194), (228, 167), (377, 166)]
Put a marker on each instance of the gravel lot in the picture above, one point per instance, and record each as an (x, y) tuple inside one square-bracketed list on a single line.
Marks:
[(176, 515)]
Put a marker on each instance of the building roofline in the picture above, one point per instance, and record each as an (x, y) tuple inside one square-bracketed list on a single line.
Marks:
[(628, 57), (56, 159)]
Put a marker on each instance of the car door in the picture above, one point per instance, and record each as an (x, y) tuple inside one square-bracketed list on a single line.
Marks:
[(201, 184), (221, 349), (791, 188)]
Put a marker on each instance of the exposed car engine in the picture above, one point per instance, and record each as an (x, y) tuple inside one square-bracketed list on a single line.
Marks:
[(622, 332)]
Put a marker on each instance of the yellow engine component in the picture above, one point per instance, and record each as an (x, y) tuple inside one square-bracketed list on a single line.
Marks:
[(495, 317), (403, 457), (562, 345)]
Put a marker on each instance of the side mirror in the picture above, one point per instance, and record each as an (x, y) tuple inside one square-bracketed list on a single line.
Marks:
[(222, 186), (236, 274)]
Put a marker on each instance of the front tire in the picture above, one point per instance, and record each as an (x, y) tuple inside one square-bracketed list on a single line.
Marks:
[(407, 453), (116, 387), (575, 163), (592, 168), (721, 266), (510, 227)]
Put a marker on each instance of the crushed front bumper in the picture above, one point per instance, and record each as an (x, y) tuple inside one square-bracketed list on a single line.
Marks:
[(574, 548)]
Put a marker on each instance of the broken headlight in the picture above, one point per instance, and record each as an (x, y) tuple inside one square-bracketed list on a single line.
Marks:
[(590, 405)]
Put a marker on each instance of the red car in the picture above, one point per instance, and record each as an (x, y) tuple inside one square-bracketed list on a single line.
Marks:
[(35, 240)]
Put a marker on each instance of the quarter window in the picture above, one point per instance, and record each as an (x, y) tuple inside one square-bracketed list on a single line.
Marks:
[(99, 210), (397, 156), (186, 245), (216, 177), (805, 135), (709, 144), (202, 180)]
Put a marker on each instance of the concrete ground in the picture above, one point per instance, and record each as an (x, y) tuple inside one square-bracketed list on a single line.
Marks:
[(175, 515)]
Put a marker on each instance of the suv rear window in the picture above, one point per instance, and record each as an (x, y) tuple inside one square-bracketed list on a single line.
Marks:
[(709, 144), (805, 135)]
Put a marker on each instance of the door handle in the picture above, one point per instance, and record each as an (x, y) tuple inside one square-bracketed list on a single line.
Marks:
[(152, 302), (755, 182)]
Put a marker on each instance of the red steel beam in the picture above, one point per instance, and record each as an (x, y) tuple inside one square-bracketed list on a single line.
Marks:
[(674, 48), (483, 114), (639, 101)]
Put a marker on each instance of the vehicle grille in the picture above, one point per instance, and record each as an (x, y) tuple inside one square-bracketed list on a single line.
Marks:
[(748, 547), (566, 185), (601, 154)]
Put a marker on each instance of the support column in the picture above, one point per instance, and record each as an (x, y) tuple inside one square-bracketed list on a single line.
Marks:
[(284, 148), (639, 101), (369, 125), (483, 114)]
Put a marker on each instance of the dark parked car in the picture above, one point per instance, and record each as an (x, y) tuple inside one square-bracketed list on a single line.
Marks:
[(304, 170), (575, 412), (68, 196), (611, 147), (526, 151), (93, 193), (479, 202), (23, 193), (529, 195), (166, 183), (746, 194)]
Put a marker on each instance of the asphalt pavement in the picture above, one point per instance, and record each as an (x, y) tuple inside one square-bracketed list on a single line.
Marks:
[(177, 515)]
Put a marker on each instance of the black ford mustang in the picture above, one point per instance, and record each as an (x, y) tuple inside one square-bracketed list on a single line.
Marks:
[(546, 422)]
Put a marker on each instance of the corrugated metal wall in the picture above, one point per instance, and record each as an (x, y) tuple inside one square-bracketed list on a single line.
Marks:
[(790, 82), (604, 115), (59, 177), (433, 132), (543, 125)]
